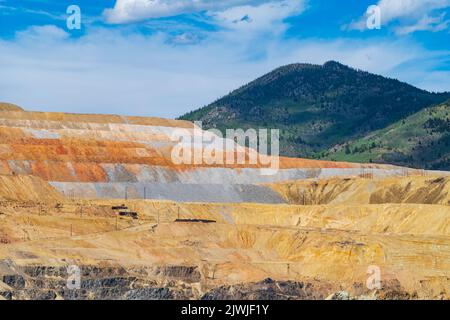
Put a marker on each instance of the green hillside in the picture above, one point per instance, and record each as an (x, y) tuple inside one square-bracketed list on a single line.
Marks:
[(421, 140), (317, 107)]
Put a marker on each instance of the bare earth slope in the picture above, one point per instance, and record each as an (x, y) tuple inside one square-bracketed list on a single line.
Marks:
[(27, 188), (332, 246), (313, 231), (354, 191), (109, 156)]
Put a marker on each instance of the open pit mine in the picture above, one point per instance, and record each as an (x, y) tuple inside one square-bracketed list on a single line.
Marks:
[(92, 207)]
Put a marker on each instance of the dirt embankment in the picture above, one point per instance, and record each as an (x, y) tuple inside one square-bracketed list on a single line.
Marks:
[(27, 188), (358, 191), (11, 111), (243, 243), (9, 107), (323, 242)]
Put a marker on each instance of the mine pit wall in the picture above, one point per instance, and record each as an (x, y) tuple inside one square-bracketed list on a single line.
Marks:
[(110, 156), (138, 181), (100, 283), (414, 190), (308, 253), (27, 188), (180, 192), (169, 283), (72, 171), (17, 115), (197, 185)]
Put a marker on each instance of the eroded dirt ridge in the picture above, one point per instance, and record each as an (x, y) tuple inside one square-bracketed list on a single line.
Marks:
[(416, 189)]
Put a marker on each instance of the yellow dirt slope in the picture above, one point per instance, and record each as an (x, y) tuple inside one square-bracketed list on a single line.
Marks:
[(27, 188), (247, 242), (356, 191), (13, 112), (9, 107)]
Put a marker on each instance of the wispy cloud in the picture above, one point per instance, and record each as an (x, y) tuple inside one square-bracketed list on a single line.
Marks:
[(182, 63), (43, 34), (243, 15), (125, 11), (7, 9), (261, 17), (110, 71), (426, 23), (408, 16)]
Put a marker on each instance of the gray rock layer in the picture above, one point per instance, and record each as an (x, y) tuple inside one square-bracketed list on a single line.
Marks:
[(182, 192)]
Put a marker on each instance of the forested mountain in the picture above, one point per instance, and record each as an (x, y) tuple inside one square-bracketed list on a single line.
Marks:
[(318, 108)]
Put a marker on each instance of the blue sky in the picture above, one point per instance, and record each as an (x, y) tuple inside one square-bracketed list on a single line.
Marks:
[(167, 57)]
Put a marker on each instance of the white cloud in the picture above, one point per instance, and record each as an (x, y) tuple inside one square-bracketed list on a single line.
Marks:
[(426, 23), (395, 9), (434, 81), (6, 10), (185, 38), (262, 17), (47, 32), (244, 15), (107, 71), (125, 11), (378, 56), (410, 15)]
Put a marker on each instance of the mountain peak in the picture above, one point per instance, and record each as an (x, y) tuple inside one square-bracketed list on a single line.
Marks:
[(316, 107), (332, 64), (335, 64)]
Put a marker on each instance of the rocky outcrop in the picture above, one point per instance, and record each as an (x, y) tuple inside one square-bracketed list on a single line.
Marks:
[(173, 283), (269, 289), (101, 283)]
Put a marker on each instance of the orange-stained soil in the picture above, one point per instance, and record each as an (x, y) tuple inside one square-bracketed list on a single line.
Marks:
[(75, 154), (9, 107), (10, 112), (332, 230)]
